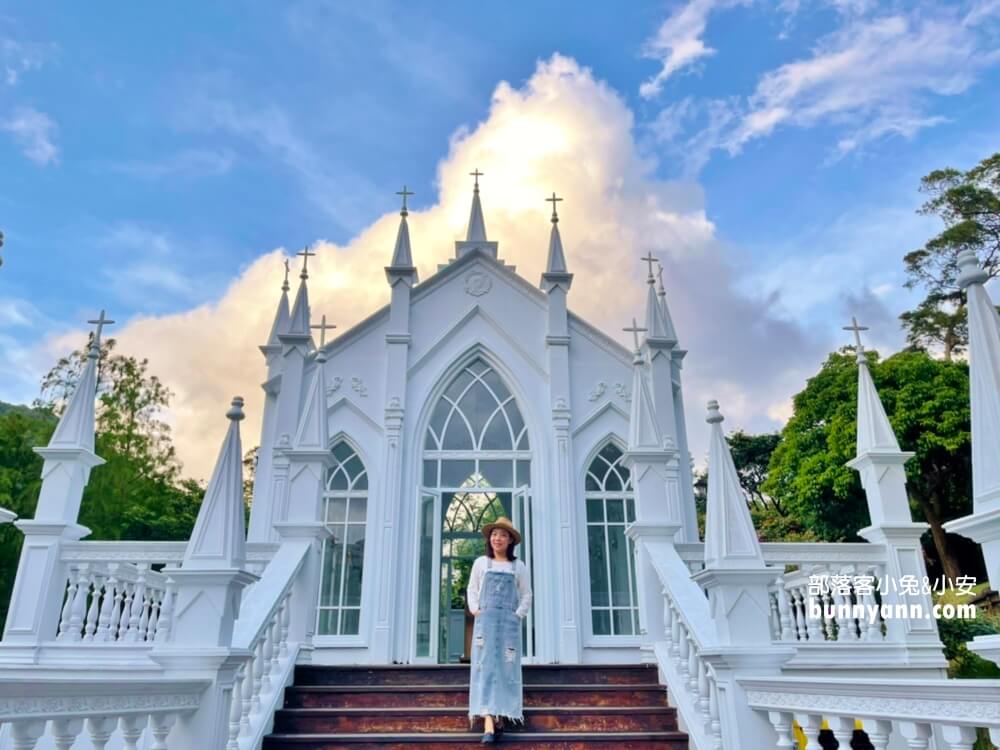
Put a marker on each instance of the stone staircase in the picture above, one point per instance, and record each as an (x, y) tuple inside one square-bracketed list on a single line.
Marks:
[(566, 707)]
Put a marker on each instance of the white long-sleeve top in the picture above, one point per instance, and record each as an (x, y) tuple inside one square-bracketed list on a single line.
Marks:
[(517, 568)]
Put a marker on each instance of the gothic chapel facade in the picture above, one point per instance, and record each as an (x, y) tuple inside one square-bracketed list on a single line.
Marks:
[(474, 394)]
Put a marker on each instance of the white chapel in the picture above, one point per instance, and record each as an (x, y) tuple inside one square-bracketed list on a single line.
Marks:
[(474, 394)]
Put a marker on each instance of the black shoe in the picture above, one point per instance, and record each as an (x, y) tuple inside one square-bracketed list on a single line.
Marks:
[(498, 730), (488, 739)]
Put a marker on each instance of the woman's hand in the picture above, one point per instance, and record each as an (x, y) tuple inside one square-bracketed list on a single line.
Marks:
[(476, 613)]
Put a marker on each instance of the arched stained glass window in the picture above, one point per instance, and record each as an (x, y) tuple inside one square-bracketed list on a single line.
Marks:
[(610, 507), (346, 508)]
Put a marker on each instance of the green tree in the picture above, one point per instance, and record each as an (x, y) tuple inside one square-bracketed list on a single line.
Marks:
[(927, 403), (969, 205), (752, 455)]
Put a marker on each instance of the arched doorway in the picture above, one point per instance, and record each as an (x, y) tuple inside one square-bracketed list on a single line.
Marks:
[(476, 467)]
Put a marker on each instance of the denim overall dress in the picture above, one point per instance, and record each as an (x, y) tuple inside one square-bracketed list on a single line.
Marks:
[(495, 671)]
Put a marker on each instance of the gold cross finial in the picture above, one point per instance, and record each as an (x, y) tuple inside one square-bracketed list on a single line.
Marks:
[(477, 174), (404, 192), (635, 330), (553, 200), (306, 255), (649, 259), (323, 328), (288, 270)]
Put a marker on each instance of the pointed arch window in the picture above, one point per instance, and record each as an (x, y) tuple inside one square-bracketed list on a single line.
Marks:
[(345, 513), (610, 507)]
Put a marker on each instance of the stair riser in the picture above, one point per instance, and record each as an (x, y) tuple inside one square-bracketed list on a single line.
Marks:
[(271, 743), (388, 698), (539, 675), (548, 721)]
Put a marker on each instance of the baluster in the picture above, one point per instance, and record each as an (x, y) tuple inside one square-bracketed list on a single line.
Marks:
[(147, 607), (286, 613), (715, 726), (245, 697), (668, 615), (814, 625), (26, 733), (845, 623), (799, 611), (810, 724), (100, 728), (65, 731), (265, 676), (164, 621), (784, 615), (682, 653), (842, 728), (917, 735), (95, 606), (161, 724), (782, 723), (958, 738), (126, 610), (878, 732), (692, 670), (829, 622), (275, 643), (772, 618), (109, 603), (78, 612), (155, 599), (132, 727), (67, 610), (138, 604), (258, 674), (235, 712), (675, 632), (703, 689)]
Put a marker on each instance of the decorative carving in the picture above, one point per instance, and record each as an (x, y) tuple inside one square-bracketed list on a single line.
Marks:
[(933, 709), (89, 704), (623, 392), (598, 391), (561, 403), (359, 386), (334, 386), (478, 283), (394, 402)]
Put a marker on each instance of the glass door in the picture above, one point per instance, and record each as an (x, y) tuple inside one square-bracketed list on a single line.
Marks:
[(522, 521), (427, 582)]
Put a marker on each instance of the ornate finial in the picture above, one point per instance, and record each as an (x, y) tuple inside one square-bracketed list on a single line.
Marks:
[(95, 345), (859, 347), (970, 271), (635, 330), (649, 259), (477, 174), (404, 192), (323, 328), (235, 413), (660, 291), (288, 270), (306, 255), (714, 415), (553, 200)]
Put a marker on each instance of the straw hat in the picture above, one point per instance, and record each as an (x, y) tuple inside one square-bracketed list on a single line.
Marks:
[(502, 523)]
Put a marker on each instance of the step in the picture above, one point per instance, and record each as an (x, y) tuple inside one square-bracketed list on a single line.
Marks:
[(403, 696), (471, 741), (458, 674), (440, 720)]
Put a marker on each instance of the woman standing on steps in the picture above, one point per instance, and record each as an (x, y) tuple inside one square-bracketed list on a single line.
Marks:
[(499, 595)]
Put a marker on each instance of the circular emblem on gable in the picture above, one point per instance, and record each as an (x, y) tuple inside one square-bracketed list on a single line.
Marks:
[(477, 283)]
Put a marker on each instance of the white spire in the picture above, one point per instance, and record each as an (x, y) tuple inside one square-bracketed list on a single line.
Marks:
[(281, 316), (984, 382), (656, 324), (644, 433), (76, 426), (477, 224), (730, 538), (299, 319), (875, 434), (556, 262), (313, 432), (402, 258), (218, 541), (671, 332)]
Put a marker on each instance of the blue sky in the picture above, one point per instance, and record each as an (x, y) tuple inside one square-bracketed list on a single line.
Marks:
[(151, 154)]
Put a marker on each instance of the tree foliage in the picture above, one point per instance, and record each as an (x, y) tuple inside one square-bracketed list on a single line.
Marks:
[(969, 205), (927, 403)]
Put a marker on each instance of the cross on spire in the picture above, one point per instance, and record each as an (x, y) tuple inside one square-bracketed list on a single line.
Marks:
[(659, 275), (553, 200), (288, 270), (477, 174), (635, 330), (100, 323), (323, 328), (857, 337), (649, 259), (306, 255), (404, 192)]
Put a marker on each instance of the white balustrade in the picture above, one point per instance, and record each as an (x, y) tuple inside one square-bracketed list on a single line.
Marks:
[(923, 714)]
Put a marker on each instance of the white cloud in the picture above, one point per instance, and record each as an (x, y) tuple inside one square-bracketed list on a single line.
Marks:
[(190, 163), (561, 130), (18, 58), (34, 132), (678, 43)]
